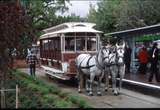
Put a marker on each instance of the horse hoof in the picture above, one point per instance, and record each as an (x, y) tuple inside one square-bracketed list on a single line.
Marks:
[(87, 90), (106, 90), (99, 94), (90, 94), (116, 94), (79, 91)]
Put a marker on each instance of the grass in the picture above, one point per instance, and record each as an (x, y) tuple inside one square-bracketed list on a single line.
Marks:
[(79, 101), (35, 93)]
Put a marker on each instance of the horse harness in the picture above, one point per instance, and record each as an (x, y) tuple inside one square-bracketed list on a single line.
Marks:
[(88, 66), (116, 62), (120, 64)]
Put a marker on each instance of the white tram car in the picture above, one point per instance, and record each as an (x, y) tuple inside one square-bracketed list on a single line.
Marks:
[(61, 44)]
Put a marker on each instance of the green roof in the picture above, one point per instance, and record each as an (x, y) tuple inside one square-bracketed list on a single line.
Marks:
[(146, 38)]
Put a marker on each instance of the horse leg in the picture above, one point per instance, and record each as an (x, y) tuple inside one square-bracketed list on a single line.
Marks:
[(114, 80), (98, 87), (122, 72), (86, 84), (80, 85), (120, 83), (99, 84), (106, 81), (91, 84)]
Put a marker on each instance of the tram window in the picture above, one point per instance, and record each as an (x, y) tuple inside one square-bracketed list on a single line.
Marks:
[(80, 43), (49, 44), (45, 44), (91, 44), (69, 43), (57, 45), (52, 45)]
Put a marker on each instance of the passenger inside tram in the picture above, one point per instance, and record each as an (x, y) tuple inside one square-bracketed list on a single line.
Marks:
[(69, 43)]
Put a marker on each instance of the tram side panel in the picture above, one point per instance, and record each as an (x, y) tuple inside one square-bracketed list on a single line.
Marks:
[(70, 59)]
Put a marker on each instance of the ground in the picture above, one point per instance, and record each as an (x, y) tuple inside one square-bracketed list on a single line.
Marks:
[(127, 99)]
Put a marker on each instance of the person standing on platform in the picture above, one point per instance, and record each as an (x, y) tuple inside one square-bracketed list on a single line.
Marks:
[(143, 59), (127, 58), (154, 63)]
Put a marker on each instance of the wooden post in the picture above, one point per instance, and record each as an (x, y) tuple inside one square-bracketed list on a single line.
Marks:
[(2, 98), (16, 96)]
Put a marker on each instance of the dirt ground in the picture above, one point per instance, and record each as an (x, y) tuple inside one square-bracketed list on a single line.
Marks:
[(127, 98)]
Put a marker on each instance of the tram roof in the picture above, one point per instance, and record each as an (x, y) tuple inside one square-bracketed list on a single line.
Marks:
[(77, 28), (69, 25)]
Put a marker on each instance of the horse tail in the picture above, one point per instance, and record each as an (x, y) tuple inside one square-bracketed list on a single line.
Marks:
[(76, 62)]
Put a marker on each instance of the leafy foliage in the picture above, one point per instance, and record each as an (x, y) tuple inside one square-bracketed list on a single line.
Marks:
[(42, 14), (13, 24), (117, 15)]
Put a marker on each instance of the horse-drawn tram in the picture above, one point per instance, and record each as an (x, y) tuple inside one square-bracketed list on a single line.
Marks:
[(61, 44)]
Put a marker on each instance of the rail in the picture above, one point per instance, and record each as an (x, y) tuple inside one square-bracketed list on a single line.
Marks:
[(2, 90)]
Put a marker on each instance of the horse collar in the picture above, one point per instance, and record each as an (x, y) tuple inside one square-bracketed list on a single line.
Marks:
[(98, 65), (88, 66)]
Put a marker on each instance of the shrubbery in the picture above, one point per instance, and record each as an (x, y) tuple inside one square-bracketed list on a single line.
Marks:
[(35, 93)]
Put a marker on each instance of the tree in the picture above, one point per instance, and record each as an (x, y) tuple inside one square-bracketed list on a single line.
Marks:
[(91, 17), (69, 18), (13, 24), (118, 15), (105, 15), (41, 14)]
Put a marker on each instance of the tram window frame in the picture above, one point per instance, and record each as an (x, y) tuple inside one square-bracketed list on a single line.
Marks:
[(76, 37), (57, 44), (69, 48), (81, 45), (44, 42), (90, 47)]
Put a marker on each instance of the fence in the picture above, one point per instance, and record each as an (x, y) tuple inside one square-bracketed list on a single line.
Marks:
[(3, 96)]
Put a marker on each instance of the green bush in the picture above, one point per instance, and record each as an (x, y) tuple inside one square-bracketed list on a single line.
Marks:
[(10, 99), (79, 101), (63, 94), (50, 98), (35, 93), (63, 104)]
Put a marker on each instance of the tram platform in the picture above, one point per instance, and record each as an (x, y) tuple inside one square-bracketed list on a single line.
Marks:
[(139, 82)]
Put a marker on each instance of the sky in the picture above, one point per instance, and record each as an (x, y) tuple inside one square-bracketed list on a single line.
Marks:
[(80, 7)]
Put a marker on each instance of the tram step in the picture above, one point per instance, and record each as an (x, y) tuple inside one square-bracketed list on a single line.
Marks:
[(59, 76), (52, 69)]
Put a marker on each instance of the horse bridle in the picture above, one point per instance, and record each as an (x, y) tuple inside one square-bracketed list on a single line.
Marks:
[(101, 66), (107, 57), (111, 58), (118, 57)]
